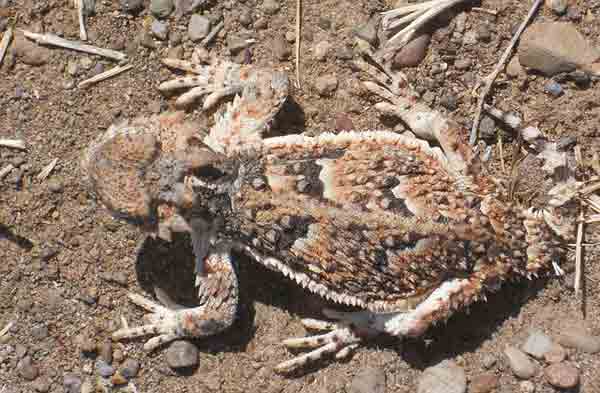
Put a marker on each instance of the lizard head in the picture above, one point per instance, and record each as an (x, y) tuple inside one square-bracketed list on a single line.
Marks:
[(138, 169)]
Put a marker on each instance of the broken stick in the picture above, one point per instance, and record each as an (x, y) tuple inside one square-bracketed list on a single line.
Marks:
[(105, 75), (5, 42), (54, 40), (13, 143)]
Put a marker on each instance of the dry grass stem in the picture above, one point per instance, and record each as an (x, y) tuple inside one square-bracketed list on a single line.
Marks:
[(82, 32), (579, 256), (13, 143), (5, 42), (213, 33), (6, 328), (54, 40), (47, 169), (298, 39), (105, 75)]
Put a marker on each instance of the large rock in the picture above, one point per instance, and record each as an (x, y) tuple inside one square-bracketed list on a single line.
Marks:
[(445, 377), (556, 47)]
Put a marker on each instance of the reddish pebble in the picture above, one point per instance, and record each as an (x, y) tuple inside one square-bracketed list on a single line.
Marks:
[(483, 383), (556, 354), (562, 375)]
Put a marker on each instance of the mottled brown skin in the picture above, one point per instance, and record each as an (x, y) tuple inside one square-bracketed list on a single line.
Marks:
[(360, 240)]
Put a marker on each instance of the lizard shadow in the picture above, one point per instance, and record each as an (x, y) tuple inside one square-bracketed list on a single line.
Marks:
[(172, 265), (22, 242)]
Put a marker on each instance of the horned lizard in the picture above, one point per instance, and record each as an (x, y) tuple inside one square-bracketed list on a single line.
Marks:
[(406, 231)]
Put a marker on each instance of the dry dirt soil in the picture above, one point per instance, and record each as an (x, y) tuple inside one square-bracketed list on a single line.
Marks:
[(66, 265)]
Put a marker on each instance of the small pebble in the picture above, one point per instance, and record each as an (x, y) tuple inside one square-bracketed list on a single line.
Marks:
[(326, 84), (104, 369), (483, 383), (182, 354), (72, 383), (537, 344), (27, 369), (462, 64), (160, 30), (527, 387), (105, 351), (42, 384), (130, 368), (438, 68), (132, 6), (369, 380), (519, 363), (562, 375), (198, 28), (161, 8), (281, 48), (321, 50), (484, 34), (236, 44), (449, 101), (556, 354), (558, 6), (446, 377), (116, 277), (271, 7), (413, 53), (118, 379), (87, 387), (553, 88)]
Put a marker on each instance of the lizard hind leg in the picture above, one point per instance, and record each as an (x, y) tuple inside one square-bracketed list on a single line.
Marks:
[(218, 295)]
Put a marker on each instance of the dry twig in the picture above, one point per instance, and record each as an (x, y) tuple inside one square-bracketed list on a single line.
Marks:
[(13, 143), (54, 40), (213, 33), (578, 255), (46, 170), (5, 42), (82, 31), (6, 170), (6, 328), (105, 75), (298, 38), (489, 80)]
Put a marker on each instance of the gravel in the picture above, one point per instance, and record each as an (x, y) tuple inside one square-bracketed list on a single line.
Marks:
[(370, 380)]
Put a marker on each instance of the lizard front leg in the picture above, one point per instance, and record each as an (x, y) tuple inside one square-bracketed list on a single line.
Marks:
[(218, 299)]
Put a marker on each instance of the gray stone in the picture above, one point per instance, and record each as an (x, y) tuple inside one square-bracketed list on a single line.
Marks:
[(199, 27), (271, 7), (579, 339), (281, 49), (27, 369), (369, 380), (462, 64), (160, 30), (42, 384), (132, 6), (29, 52), (487, 128), (558, 6), (321, 50), (519, 363), (326, 84), (104, 369), (537, 344), (236, 44), (182, 354), (245, 17), (130, 368), (445, 377), (161, 8), (72, 383), (553, 88)]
